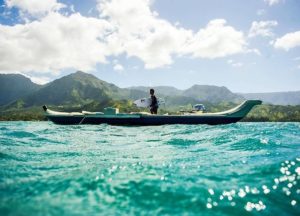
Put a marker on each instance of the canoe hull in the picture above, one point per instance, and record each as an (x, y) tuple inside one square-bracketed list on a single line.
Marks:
[(144, 120)]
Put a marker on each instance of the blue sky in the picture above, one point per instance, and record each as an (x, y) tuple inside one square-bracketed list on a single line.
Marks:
[(247, 46)]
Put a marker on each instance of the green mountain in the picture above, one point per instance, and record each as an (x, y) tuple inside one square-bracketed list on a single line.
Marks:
[(15, 86), (77, 89), (161, 90), (213, 94), (216, 94), (276, 98), (85, 90), (81, 91), (196, 93)]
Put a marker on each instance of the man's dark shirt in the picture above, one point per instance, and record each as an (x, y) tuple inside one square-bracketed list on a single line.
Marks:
[(153, 101), (153, 105)]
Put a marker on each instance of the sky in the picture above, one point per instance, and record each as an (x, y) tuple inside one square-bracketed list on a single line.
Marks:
[(247, 46)]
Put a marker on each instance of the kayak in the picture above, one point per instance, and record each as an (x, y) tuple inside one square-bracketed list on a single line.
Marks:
[(113, 117)]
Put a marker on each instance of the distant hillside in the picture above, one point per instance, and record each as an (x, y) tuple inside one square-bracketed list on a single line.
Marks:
[(180, 101), (161, 90), (214, 94), (196, 93), (85, 90), (15, 86), (75, 89), (276, 98)]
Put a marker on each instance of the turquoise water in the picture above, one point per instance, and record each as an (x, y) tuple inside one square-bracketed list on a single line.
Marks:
[(237, 169)]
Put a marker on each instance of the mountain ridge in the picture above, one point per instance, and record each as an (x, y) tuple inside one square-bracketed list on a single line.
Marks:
[(277, 98), (83, 88), (22, 86), (211, 93)]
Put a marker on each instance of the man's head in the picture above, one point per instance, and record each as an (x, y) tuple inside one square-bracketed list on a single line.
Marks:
[(152, 91)]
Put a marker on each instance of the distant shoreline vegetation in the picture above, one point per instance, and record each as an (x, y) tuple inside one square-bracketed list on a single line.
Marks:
[(262, 113)]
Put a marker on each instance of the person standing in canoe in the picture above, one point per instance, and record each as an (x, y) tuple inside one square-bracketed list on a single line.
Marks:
[(154, 103)]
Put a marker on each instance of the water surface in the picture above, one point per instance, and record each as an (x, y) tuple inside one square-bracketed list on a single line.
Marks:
[(236, 169)]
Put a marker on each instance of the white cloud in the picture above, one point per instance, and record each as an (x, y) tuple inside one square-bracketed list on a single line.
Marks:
[(35, 7), (40, 80), (54, 43), (237, 64), (262, 28), (288, 41), (234, 63), (141, 33), (217, 40), (118, 67), (272, 2)]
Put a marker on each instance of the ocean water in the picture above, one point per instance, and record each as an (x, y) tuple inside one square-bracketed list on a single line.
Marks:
[(236, 169)]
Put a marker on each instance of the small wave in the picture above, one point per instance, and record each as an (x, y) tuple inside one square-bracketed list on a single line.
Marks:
[(4, 129), (248, 144), (6, 156), (21, 134), (182, 142), (43, 140)]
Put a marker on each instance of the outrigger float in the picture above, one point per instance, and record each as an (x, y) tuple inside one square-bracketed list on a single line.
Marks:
[(113, 117)]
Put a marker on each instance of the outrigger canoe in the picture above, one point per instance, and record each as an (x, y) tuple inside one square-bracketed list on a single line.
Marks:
[(111, 116)]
